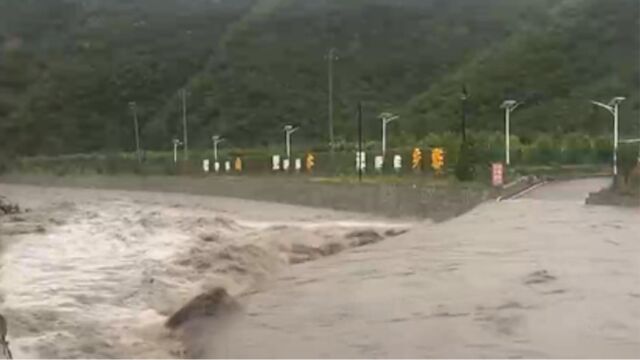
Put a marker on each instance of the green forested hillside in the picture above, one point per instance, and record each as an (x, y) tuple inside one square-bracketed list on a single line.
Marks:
[(589, 50), (68, 68)]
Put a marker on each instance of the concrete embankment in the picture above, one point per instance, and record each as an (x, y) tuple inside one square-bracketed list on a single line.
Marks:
[(436, 202)]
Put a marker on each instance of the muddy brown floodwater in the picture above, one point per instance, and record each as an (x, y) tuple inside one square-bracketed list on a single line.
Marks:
[(95, 273), (91, 273)]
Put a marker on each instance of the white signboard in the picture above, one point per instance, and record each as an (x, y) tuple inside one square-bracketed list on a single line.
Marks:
[(205, 165), (227, 166), (276, 162), (216, 166), (285, 164), (379, 162), (298, 164), (397, 162), (361, 160)]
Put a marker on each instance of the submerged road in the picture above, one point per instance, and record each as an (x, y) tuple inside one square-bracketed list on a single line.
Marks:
[(540, 276)]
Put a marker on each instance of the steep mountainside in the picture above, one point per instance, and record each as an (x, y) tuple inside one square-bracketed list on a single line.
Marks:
[(69, 68)]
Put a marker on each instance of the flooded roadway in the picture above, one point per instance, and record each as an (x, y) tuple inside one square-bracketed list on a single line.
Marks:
[(95, 274), (542, 276)]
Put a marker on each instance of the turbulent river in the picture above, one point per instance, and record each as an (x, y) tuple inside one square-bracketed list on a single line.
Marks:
[(90, 273)]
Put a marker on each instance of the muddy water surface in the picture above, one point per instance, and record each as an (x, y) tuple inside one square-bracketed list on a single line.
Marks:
[(92, 273), (544, 276), (89, 273)]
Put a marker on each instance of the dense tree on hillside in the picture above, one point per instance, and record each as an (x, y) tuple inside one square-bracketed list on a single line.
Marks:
[(68, 68), (81, 62), (586, 53)]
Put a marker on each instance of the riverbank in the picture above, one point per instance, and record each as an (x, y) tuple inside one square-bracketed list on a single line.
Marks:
[(437, 201), (623, 192)]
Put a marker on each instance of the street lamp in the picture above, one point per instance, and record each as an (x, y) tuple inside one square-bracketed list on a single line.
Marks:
[(288, 130), (612, 107), (132, 105), (176, 142), (386, 119), (509, 106), (217, 139)]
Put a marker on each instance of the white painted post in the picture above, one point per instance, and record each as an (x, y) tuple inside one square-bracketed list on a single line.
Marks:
[(379, 163), (361, 160), (397, 162)]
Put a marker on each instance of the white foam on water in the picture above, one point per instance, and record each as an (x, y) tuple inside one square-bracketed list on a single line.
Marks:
[(103, 283), (89, 275)]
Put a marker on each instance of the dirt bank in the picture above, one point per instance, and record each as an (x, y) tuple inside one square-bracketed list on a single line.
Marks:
[(96, 273), (438, 202)]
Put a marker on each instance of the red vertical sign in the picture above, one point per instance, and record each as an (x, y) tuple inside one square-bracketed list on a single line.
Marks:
[(497, 171)]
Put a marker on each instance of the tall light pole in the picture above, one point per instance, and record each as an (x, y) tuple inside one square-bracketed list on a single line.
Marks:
[(176, 142), (612, 107), (132, 105), (509, 106), (288, 130), (217, 139), (386, 119), (331, 56), (185, 140)]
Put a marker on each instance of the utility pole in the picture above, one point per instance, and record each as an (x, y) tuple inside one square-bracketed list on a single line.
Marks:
[(613, 108), (509, 106), (331, 56), (136, 130), (185, 141)]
